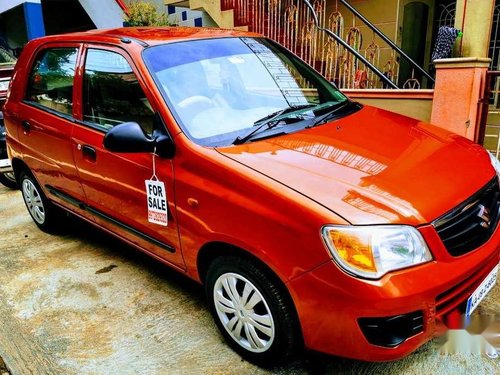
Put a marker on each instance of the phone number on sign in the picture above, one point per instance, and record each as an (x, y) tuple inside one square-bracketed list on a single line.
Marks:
[(158, 216)]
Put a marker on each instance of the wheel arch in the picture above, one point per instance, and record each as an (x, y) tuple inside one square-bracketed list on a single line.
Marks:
[(18, 166), (213, 250)]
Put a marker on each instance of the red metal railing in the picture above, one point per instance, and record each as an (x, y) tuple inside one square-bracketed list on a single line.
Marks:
[(286, 21), (291, 23)]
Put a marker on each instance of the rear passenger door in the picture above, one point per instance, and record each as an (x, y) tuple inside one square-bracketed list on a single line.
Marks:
[(114, 183), (45, 121)]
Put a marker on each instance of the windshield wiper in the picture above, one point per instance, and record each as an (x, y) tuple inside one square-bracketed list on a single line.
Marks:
[(273, 116), (270, 121), (242, 139), (327, 116)]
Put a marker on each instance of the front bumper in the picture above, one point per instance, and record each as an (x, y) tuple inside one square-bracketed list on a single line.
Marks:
[(331, 303)]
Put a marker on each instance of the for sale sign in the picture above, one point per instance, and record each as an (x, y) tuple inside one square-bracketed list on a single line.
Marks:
[(157, 202)]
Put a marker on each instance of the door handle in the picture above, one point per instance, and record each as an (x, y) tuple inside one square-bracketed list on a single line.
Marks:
[(89, 153), (26, 127)]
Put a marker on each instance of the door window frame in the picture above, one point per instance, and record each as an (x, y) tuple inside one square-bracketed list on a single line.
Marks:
[(31, 63), (79, 78)]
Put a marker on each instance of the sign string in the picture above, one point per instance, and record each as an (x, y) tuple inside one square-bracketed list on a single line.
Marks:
[(154, 165)]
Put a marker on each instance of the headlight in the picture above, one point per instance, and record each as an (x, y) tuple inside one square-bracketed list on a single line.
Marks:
[(372, 251), (495, 163)]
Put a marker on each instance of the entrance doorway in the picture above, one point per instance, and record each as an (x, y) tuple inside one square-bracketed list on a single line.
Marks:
[(415, 25)]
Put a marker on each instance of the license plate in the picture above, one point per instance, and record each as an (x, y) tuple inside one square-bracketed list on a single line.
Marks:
[(4, 163), (481, 291)]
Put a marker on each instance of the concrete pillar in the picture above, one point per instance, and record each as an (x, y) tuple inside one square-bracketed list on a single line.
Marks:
[(33, 18), (459, 85), (474, 18)]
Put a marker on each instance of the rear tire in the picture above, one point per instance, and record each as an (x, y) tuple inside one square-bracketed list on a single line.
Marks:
[(252, 309), (9, 180), (45, 215)]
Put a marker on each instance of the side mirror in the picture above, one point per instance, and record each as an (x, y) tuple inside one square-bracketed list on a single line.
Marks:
[(128, 137), (165, 146)]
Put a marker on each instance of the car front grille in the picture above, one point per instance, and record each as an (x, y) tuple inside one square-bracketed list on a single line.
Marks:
[(472, 223)]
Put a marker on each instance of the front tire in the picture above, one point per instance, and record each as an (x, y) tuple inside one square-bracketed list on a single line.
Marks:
[(252, 310), (42, 211)]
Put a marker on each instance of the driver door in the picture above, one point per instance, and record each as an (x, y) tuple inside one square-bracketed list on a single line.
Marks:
[(114, 183)]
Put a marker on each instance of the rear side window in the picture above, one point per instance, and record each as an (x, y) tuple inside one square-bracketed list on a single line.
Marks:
[(51, 79), (112, 94)]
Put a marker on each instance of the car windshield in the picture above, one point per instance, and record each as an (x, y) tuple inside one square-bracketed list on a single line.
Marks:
[(6, 58), (221, 89)]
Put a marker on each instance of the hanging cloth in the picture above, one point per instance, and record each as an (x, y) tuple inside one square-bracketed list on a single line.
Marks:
[(444, 44)]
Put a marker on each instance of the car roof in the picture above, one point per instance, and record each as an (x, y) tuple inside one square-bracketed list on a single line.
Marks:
[(150, 35)]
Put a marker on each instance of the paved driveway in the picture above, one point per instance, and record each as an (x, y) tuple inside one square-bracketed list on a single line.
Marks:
[(84, 303)]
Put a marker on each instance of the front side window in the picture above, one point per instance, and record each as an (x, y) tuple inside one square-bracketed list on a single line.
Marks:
[(51, 80), (219, 89), (112, 94)]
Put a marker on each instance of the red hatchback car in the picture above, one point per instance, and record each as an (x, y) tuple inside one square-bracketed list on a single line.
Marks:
[(311, 220)]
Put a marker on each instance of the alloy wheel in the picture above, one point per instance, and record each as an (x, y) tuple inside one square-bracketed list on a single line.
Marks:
[(33, 201)]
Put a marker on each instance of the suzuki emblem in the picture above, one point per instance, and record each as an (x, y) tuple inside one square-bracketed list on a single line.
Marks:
[(484, 215)]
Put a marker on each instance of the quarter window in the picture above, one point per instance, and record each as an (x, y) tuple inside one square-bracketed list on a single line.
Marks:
[(51, 79), (112, 94)]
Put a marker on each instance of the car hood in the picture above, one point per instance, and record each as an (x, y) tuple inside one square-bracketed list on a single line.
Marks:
[(373, 167)]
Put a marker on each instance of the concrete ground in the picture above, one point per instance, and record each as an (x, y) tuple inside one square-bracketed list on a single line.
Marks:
[(84, 303)]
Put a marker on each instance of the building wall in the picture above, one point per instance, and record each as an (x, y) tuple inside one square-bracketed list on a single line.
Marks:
[(412, 103), (103, 13), (22, 20), (12, 27)]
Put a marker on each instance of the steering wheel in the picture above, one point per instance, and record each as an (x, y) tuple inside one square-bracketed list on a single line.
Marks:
[(196, 102)]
